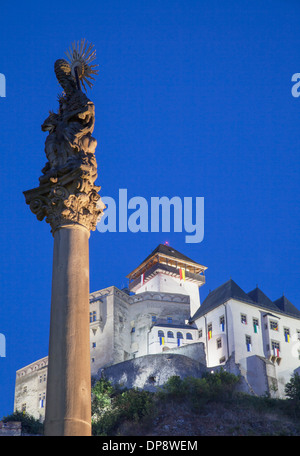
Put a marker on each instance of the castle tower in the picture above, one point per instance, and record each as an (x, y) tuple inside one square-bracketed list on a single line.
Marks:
[(169, 271)]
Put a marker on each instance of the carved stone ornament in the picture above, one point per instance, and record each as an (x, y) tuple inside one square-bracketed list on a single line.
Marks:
[(67, 193)]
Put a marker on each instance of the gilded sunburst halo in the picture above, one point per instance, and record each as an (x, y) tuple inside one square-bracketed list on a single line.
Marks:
[(80, 56)]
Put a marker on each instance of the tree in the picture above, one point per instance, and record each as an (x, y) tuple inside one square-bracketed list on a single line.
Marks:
[(292, 388)]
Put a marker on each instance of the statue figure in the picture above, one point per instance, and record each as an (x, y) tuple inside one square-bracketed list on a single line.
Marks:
[(67, 192), (70, 140)]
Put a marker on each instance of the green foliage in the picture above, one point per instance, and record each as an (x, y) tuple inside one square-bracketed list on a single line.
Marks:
[(261, 404), (219, 385), (292, 391), (101, 396), (292, 388), (30, 425), (111, 407), (134, 404)]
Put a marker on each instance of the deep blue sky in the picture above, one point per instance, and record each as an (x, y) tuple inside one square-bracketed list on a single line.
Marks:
[(193, 99)]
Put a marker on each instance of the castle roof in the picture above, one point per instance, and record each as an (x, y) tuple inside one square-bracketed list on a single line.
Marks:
[(167, 260), (230, 290), (262, 300), (287, 307), (222, 294), (163, 251), (167, 250)]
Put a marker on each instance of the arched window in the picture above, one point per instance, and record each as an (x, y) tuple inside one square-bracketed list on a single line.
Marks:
[(189, 336), (179, 335), (170, 335), (161, 334)]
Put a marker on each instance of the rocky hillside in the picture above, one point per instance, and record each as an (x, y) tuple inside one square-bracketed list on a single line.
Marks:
[(206, 407), (216, 419)]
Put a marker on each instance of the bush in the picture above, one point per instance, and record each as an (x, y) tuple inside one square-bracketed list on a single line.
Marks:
[(174, 387), (30, 425), (134, 404), (111, 407), (219, 385)]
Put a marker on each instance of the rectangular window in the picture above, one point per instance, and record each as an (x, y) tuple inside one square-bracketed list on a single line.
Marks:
[(255, 325), (222, 323), (298, 334), (92, 316), (274, 325), (153, 318), (243, 319), (219, 343), (222, 360), (248, 343), (42, 400), (209, 331), (200, 333), (286, 334), (94, 344), (275, 348), (169, 320)]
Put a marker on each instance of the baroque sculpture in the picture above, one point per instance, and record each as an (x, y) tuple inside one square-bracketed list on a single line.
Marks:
[(67, 192), (67, 198)]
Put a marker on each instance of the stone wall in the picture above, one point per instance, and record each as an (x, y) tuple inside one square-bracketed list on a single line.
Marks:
[(195, 351), (152, 371), (11, 428)]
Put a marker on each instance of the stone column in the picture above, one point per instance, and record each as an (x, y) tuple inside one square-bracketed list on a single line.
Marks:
[(68, 399), (72, 206), (68, 199)]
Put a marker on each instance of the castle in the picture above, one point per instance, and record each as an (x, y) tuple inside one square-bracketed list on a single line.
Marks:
[(156, 328)]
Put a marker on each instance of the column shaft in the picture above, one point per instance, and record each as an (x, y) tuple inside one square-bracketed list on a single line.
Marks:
[(68, 399)]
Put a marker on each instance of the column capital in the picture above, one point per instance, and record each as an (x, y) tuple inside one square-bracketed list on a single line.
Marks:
[(67, 200)]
